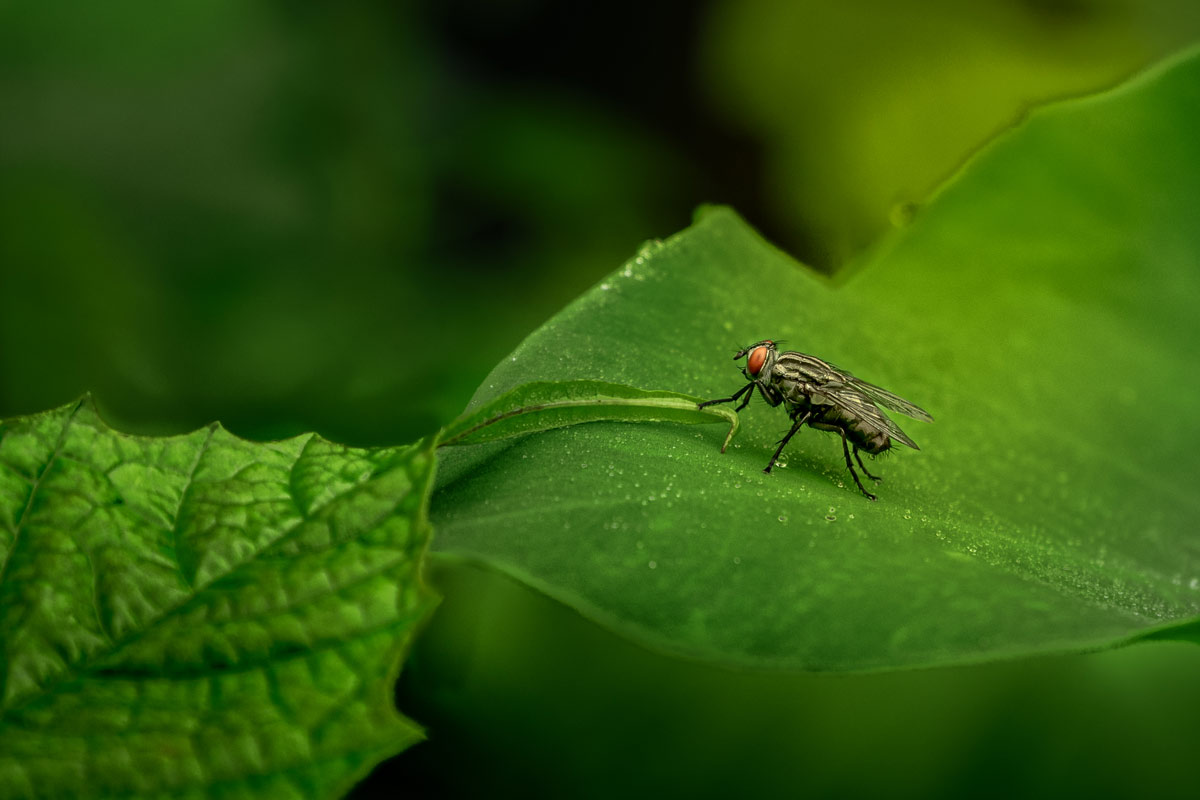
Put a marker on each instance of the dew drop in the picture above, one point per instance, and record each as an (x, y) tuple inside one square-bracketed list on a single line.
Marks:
[(901, 214), (653, 565), (737, 559), (783, 517)]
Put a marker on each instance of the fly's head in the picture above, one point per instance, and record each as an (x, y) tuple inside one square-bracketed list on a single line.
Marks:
[(760, 358)]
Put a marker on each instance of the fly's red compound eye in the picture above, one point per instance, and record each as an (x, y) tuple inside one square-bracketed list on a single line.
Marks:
[(758, 357)]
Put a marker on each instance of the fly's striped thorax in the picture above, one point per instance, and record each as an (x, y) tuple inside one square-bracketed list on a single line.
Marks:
[(791, 365), (796, 376)]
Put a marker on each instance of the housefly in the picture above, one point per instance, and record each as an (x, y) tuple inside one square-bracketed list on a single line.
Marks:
[(818, 394)]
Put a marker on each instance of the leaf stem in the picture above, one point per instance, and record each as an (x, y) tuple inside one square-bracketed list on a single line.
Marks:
[(672, 403)]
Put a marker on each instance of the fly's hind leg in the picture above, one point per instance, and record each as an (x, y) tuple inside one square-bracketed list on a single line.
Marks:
[(850, 466), (866, 472)]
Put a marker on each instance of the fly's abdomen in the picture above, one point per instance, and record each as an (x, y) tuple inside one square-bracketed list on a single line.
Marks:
[(861, 432)]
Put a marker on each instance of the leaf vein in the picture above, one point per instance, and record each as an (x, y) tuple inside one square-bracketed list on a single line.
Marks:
[(36, 486), (183, 495)]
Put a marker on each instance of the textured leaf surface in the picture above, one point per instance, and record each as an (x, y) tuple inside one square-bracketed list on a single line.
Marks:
[(1043, 309), (545, 405), (201, 615)]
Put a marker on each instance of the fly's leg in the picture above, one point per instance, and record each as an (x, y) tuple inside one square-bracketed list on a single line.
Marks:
[(858, 458), (739, 393), (770, 399), (783, 442), (850, 466)]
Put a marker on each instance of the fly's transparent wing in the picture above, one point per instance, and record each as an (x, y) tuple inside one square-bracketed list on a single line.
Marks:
[(831, 385), (817, 372), (848, 398), (890, 401)]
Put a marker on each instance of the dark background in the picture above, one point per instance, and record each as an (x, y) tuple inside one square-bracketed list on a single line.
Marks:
[(299, 216), (337, 217)]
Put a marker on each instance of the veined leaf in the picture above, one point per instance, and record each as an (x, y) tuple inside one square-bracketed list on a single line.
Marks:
[(544, 405), (200, 615), (1043, 309)]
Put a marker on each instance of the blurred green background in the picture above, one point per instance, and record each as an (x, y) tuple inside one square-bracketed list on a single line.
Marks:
[(338, 217)]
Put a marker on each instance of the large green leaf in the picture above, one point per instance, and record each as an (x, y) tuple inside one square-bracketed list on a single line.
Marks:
[(1044, 310), (201, 615)]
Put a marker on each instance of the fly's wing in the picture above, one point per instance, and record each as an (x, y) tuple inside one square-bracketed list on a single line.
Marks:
[(850, 399), (830, 385), (889, 400), (822, 374)]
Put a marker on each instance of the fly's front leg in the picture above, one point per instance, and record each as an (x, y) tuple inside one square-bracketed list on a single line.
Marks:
[(783, 442), (772, 397), (739, 393), (850, 466), (858, 458)]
